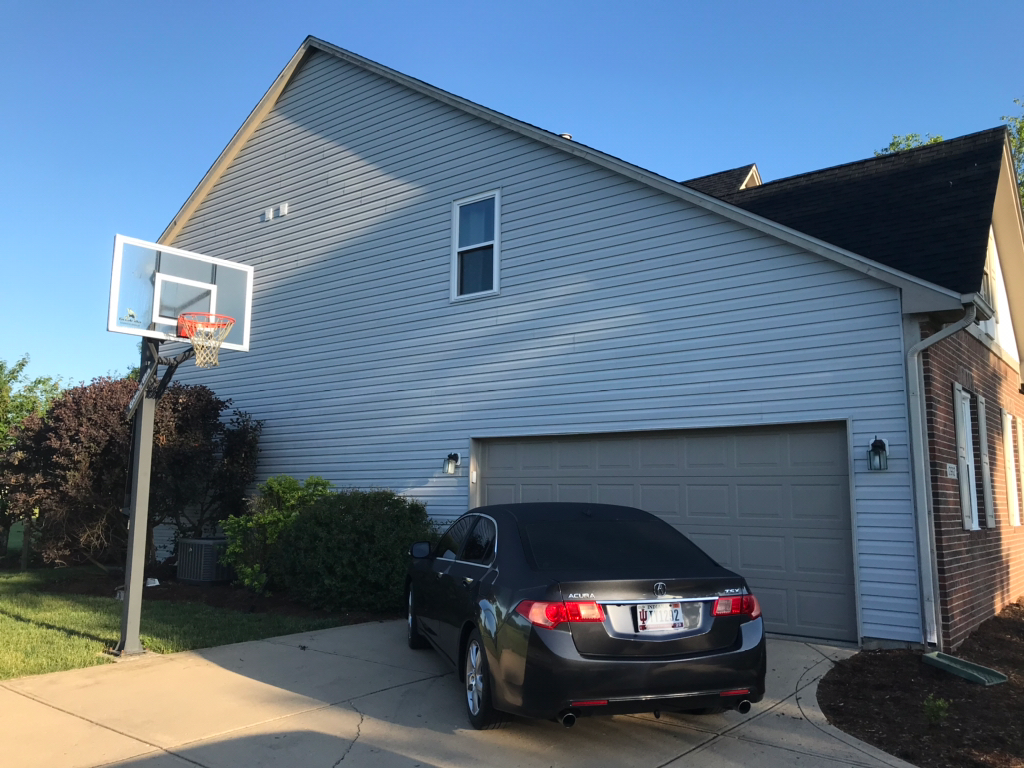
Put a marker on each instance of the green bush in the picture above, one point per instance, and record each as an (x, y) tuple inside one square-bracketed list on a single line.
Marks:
[(349, 550), (252, 537)]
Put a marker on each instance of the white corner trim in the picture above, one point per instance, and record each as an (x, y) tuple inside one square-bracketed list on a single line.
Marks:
[(993, 347)]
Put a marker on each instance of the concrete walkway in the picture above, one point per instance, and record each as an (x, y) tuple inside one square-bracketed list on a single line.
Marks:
[(357, 696)]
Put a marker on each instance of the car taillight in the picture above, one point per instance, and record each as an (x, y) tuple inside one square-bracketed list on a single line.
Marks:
[(550, 615), (745, 605)]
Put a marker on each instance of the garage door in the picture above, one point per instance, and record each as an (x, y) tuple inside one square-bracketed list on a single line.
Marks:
[(772, 504)]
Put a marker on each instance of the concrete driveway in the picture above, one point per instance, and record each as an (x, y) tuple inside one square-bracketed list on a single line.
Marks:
[(357, 696)]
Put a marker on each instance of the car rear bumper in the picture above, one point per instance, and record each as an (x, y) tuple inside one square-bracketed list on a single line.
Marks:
[(556, 678)]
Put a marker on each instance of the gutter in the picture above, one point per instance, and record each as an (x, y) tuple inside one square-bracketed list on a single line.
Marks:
[(922, 474)]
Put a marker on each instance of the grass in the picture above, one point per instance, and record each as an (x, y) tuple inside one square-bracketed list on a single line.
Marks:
[(42, 632)]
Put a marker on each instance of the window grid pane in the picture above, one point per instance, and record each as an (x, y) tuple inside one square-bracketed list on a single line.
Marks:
[(476, 223), (476, 270)]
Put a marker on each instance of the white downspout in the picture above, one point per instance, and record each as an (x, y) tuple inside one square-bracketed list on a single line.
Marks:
[(922, 475)]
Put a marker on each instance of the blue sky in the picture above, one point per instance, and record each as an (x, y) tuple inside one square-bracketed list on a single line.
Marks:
[(115, 110)]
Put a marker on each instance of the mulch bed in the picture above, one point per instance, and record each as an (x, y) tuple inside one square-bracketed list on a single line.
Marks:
[(214, 595), (879, 697)]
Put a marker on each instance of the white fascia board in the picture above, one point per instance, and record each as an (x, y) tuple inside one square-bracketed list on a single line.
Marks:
[(234, 146), (919, 295), (1008, 230)]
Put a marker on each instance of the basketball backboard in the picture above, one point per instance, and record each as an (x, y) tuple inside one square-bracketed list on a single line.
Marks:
[(152, 285)]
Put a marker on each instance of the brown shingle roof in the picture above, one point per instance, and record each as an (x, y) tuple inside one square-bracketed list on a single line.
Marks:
[(925, 211)]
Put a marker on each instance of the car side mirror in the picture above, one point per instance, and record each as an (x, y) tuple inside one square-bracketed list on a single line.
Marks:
[(420, 549)]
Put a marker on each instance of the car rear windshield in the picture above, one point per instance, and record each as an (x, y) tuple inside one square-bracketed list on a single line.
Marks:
[(629, 545)]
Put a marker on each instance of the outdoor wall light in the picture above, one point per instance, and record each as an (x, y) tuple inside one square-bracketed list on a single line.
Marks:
[(878, 456), (450, 463)]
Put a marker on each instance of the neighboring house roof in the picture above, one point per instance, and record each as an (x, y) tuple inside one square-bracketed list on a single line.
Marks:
[(924, 211), (918, 294), (724, 182)]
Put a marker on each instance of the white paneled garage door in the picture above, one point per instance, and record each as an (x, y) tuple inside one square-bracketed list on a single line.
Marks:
[(772, 504)]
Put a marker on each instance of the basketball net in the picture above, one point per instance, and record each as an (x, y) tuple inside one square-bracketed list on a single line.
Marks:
[(206, 332)]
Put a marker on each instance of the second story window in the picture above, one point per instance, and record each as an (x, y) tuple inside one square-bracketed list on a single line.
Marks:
[(476, 242)]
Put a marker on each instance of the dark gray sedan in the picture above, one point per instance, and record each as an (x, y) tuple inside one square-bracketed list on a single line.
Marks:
[(561, 610)]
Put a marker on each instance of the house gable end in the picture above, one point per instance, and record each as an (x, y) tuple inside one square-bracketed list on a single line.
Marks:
[(919, 294)]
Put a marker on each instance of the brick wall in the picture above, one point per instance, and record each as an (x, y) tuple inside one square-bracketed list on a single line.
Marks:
[(979, 571)]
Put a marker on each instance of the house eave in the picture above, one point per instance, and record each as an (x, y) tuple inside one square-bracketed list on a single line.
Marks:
[(918, 295)]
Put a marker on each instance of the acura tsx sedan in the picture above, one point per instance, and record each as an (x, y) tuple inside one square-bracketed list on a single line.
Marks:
[(558, 610)]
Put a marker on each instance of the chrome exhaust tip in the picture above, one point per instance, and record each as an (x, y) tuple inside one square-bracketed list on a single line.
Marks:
[(743, 707), (568, 719)]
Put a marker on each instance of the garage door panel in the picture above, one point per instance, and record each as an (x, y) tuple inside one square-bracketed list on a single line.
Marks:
[(660, 499), (761, 501), (759, 450), (659, 453), (540, 456), (623, 495), (704, 501), (615, 454), (717, 545), (826, 500), (822, 610), (822, 556), (495, 493), (574, 455), (759, 553), (824, 450), (774, 607), (534, 493), (706, 451), (771, 503)]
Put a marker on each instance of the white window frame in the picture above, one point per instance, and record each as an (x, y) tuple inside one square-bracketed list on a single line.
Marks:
[(1010, 462), (965, 458), (495, 243)]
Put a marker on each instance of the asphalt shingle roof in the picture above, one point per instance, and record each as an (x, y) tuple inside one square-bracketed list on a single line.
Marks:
[(925, 211), (721, 183)]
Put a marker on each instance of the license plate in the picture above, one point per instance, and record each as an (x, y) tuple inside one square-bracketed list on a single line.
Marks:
[(654, 616)]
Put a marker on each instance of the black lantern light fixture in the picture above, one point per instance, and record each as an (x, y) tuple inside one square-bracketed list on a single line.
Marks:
[(878, 456), (450, 463)]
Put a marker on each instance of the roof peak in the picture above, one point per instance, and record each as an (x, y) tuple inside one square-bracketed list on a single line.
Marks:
[(924, 149)]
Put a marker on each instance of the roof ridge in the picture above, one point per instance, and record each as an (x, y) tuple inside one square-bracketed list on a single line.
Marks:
[(875, 159)]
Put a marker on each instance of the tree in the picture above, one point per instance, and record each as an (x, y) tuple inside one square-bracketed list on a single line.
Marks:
[(908, 141), (19, 399), (73, 466), (1015, 126)]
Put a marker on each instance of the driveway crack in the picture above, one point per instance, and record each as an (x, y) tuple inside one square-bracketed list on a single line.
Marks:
[(359, 732)]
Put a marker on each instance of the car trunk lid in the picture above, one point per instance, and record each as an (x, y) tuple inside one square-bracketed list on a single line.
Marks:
[(651, 618)]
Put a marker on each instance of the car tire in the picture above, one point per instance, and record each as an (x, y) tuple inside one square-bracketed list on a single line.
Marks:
[(416, 641), (477, 684)]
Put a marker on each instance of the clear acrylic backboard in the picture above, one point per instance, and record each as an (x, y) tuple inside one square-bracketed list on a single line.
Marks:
[(152, 285)]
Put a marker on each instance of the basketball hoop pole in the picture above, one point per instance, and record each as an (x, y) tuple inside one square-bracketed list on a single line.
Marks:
[(138, 522)]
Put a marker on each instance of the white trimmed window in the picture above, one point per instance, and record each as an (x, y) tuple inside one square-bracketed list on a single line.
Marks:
[(972, 450), (476, 246), (1010, 463)]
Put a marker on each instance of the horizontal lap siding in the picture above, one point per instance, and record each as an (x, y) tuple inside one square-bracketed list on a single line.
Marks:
[(621, 309)]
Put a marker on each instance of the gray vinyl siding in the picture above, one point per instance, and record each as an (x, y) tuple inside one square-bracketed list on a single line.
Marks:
[(621, 309)]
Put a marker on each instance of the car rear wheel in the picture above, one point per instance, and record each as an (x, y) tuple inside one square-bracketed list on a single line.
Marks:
[(416, 640), (477, 680)]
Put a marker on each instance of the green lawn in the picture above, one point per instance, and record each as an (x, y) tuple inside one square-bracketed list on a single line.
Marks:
[(42, 632)]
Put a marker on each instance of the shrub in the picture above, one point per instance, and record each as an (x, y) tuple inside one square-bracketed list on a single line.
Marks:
[(936, 709), (252, 537), (349, 550), (72, 464)]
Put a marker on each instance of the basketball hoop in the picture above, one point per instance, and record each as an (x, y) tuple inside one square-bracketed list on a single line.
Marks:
[(206, 332)]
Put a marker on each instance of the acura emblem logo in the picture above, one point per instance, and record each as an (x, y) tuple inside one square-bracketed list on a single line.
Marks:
[(659, 589)]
